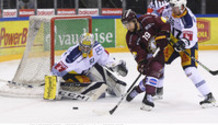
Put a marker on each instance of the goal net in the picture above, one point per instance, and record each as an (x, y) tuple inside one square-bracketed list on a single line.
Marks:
[(48, 37)]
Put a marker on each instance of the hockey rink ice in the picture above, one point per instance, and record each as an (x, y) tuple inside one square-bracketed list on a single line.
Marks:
[(180, 102)]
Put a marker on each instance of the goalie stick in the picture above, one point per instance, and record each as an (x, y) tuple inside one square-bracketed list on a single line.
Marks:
[(68, 84), (21, 84)]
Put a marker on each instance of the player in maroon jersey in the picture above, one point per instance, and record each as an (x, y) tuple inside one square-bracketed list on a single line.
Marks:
[(146, 34)]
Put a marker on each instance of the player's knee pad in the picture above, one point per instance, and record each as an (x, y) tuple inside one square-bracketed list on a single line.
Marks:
[(155, 69)]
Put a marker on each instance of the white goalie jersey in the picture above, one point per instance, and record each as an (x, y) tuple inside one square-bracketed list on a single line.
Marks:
[(73, 61), (184, 26)]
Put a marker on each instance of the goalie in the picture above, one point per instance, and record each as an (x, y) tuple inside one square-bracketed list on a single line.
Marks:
[(86, 70)]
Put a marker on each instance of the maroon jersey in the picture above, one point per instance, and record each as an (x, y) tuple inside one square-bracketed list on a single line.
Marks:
[(139, 42)]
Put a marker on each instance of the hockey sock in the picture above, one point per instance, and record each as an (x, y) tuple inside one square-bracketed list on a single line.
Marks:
[(193, 74)]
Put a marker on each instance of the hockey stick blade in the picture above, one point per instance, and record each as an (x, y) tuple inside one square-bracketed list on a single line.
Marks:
[(26, 85), (112, 110), (21, 84), (214, 72)]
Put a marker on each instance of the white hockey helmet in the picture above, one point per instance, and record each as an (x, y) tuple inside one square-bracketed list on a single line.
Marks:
[(178, 3), (86, 43)]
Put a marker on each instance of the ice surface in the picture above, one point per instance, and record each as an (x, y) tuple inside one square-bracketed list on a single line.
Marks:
[(179, 105)]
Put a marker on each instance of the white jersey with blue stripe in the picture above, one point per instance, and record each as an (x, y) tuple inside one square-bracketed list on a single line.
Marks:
[(184, 26), (73, 61)]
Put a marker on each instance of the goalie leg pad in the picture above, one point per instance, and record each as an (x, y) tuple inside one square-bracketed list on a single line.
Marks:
[(51, 88), (89, 93), (95, 90), (116, 86)]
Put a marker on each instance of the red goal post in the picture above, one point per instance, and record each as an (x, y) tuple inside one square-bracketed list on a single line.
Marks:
[(53, 33)]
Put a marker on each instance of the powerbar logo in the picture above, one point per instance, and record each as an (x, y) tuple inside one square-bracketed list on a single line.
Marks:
[(13, 39)]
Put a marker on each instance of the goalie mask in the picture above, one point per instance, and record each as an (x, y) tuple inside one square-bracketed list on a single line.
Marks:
[(86, 43)]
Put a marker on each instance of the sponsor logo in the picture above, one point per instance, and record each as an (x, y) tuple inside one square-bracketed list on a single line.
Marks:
[(188, 35), (61, 66), (66, 12), (13, 39), (91, 12), (45, 12), (26, 12), (153, 81), (203, 30), (111, 11), (9, 13)]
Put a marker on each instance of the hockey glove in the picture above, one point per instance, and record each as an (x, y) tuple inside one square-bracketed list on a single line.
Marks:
[(142, 68), (143, 65), (181, 44)]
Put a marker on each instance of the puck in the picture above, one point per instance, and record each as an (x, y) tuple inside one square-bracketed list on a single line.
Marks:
[(75, 108)]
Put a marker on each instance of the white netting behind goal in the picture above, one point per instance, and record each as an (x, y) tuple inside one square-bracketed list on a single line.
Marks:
[(47, 35), (36, 58)]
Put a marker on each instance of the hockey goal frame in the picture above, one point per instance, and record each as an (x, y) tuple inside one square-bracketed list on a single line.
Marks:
[(34, 89), (52, 56)]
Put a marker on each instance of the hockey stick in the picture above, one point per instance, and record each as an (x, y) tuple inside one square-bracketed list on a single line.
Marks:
[(68, 84), (131, 87), (21, 84), (193, 58), (206, 68)]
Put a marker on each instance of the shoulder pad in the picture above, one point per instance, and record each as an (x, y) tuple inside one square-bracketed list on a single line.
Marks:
[(96, 43), (73, 55), (187, 20)]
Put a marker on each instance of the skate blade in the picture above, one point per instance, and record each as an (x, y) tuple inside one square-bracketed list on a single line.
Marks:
[(146, 107), (209, 105), (157, 97)]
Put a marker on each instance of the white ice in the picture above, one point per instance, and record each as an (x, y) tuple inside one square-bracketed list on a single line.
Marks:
[(179, 105)]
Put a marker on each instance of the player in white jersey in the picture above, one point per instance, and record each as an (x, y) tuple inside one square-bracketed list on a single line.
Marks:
[(184, 34), (156, 7), (88, 63)]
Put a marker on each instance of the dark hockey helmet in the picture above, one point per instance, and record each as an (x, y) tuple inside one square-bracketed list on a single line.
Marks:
[(127, 16)]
